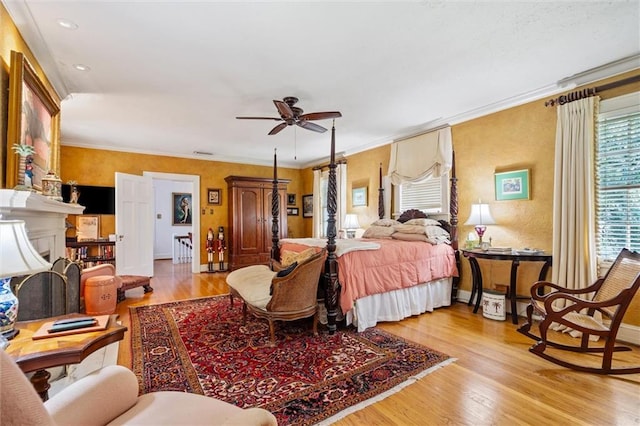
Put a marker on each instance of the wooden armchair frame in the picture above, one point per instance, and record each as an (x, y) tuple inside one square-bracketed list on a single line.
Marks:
[(612, 295), (293, 296)]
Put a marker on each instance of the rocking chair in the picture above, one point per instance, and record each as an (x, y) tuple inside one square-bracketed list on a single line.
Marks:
[(612, 296)]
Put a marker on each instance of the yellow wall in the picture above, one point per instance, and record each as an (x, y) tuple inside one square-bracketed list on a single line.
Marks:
[(98, 167)]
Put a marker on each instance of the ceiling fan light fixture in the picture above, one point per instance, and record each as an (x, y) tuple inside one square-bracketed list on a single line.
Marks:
[(292, 115)]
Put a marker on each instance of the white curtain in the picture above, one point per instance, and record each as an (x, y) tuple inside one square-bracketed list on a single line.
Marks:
[(574, 252), (418, 158), (319, 205)]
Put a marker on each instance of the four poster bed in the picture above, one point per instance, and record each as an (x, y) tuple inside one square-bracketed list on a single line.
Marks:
[(405, 267)]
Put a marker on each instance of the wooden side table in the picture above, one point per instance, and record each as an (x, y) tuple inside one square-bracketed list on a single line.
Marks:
[(38, 355), (515, 258)]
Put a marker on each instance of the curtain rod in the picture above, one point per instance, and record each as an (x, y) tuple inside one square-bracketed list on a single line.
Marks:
[(341, 161), (590, 91)]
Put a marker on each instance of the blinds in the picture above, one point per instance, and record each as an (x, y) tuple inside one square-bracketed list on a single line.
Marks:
[(426, 196), (618, 178)]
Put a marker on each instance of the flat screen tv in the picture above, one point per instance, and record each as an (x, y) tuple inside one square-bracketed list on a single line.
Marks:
[(95, 199)]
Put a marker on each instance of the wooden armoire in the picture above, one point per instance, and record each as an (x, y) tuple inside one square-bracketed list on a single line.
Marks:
[(250, 219)]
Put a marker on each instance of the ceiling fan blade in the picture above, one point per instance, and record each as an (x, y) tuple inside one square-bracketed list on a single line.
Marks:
[(278, 128), (285, 111), (320, 115), (311, 126), (259, 118)]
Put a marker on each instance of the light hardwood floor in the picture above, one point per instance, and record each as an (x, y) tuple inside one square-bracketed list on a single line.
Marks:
[(495, 380)]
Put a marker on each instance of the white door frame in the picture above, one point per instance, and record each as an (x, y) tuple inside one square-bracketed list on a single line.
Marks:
[(195, 205)]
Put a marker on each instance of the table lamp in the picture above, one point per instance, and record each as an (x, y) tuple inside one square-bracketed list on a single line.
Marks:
[(480, 217), (351, 224), (17, 257)]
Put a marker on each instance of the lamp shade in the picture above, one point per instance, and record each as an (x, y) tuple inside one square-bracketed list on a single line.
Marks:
[(17, 255), (351, 222), (480, 215)]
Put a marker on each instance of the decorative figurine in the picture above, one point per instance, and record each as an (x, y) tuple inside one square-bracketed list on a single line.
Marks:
[(210, 250), (220, 249)]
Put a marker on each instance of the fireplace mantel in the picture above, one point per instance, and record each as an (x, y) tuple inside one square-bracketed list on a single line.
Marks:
[(44, 219)]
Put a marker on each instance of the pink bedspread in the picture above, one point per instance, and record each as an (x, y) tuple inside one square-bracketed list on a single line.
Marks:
[(396, 265)]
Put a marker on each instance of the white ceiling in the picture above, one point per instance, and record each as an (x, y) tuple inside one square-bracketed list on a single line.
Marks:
[(169, 77)]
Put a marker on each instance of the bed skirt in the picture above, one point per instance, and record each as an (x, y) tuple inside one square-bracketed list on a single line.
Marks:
[(397, 304)]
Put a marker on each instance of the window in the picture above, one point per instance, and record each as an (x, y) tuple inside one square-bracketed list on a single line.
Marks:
[(430, 196), (618, 177)]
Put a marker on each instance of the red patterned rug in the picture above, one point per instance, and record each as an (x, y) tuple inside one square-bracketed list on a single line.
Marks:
[(201, 346)]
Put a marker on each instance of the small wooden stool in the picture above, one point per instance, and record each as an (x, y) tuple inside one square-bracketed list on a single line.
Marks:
[(133, 281), (100, 295)]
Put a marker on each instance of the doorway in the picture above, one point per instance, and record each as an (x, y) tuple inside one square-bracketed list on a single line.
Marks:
[(194, 189)]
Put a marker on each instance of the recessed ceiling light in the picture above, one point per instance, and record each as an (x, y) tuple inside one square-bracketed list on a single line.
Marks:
[(69, 25), (81, 67)]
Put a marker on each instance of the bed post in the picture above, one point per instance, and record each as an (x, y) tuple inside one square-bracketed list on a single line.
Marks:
[(331, 284), (380, 197), (275, 211), (453, 212)]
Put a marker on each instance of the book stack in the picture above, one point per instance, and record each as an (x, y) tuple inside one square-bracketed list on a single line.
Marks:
[(500, 250)]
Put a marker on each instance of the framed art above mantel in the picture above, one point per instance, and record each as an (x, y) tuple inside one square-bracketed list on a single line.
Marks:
[(33, 122)]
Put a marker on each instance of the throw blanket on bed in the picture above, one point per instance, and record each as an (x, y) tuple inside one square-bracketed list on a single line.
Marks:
[(343, 246)]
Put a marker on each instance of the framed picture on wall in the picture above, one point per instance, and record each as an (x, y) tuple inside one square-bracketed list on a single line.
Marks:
[(87, 228), (292, 211), (291, 199), (512, 185), (181, 207), (214, 197), (359, 196), (307, 205)]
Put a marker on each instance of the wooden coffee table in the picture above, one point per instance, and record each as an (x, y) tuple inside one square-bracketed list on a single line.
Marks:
[(38, 355)]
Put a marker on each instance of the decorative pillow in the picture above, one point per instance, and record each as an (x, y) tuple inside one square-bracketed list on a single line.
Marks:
[(385, 222), (286, 271), (378, 232), (410, 229), (288, 257), (410, 237), (435, 231), (423, 222)]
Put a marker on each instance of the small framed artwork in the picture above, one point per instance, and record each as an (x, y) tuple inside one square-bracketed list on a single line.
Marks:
[(181, 206), (307, 205), (292, 211), (512, 185), (291, 199), (87, 228), (214, 196), (359, 196)]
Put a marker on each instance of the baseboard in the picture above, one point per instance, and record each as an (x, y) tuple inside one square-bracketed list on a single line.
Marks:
[(627, 332)]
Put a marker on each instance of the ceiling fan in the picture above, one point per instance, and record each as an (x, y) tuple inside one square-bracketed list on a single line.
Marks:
[(290, 115)]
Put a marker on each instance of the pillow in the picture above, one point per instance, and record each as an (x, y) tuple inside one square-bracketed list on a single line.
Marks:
[(435, 231), (378, 232), (286, 271), (410, 237), (385, 222), (288, 257), (410, 229), (422, 221)]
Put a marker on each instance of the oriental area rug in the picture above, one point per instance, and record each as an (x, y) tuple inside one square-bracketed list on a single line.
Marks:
[(200, 346)]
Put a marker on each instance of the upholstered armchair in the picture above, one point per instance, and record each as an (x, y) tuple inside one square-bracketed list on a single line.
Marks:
[(110, 396), (285, 295)]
